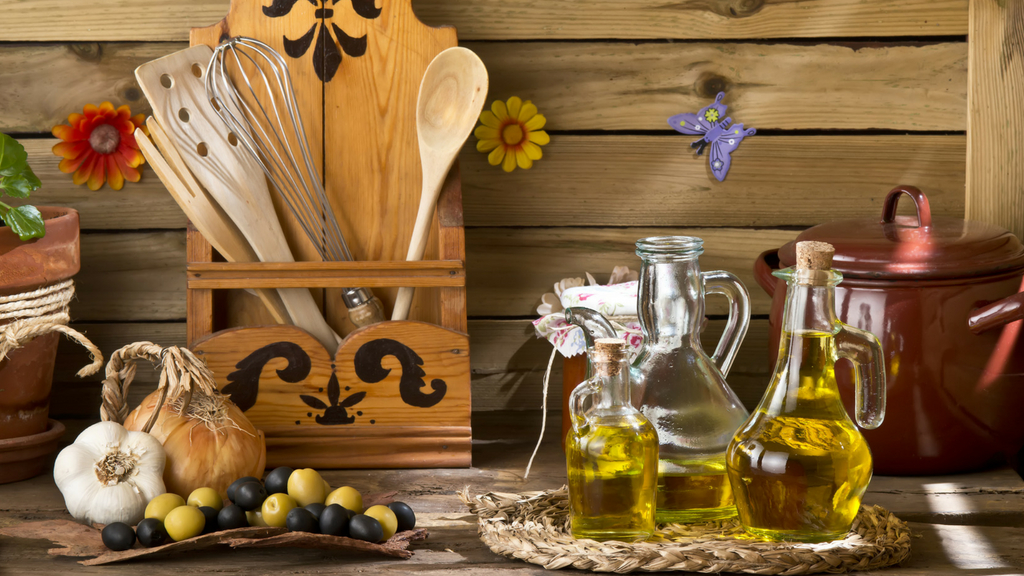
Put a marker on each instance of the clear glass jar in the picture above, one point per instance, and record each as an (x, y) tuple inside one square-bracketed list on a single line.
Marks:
[(611, 453), (682, 390)]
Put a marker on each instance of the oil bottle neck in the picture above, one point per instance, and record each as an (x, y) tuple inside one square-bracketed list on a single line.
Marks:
[(810, 309), (613, 380), (671, 300)]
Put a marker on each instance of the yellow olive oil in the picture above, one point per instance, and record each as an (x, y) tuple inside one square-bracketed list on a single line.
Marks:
[(612, 468), (798, 466), (694, 497)]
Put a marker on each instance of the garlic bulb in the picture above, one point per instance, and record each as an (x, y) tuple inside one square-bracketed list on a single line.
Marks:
[(207, 439), (109, 474)]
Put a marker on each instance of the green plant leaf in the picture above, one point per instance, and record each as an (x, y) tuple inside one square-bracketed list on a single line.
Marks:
[(13, 158), (20, 185), (26, 222)]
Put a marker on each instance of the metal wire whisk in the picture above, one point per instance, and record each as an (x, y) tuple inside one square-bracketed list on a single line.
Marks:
[(250, 87)]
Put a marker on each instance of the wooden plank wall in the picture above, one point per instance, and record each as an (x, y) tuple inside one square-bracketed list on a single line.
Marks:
[(850, 97)]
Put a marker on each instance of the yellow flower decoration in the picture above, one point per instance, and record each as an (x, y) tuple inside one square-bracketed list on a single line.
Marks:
[(512, 133)]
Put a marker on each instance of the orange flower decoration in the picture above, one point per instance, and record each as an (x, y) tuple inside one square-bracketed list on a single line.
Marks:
[(99, 145)]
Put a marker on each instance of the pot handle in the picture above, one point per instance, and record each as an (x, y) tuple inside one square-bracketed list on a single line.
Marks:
[(1007, 310), (763, 271), (924, 210)]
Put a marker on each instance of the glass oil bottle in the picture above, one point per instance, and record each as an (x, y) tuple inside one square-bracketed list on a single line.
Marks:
[(682, 390), (611, 453), (798, 466)]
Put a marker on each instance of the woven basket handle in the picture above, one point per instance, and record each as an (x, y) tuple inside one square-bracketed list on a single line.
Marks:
[(180, 370)]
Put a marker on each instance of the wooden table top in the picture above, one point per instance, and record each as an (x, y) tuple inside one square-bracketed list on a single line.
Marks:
[(971, 523)]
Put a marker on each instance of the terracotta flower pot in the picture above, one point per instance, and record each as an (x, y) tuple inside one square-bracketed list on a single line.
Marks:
[(27, 373)]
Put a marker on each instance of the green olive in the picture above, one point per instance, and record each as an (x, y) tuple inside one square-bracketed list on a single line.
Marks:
[(348, 497), (184, 522), (306, 487), (276, 508), (384, 515), (159, 507), (327, 488), (205, 497), (255, 518)]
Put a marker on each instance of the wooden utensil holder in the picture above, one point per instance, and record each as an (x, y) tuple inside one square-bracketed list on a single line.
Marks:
[(394, 394)]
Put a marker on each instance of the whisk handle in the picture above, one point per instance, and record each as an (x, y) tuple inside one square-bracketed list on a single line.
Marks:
[(371, 312)]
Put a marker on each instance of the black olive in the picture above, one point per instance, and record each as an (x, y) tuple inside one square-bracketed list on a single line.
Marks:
[(334, 520), (316, 508), (301, 520), (211, 519), (250, 496), (118, 536), (151, 533), (232, 516), (406, 517), (363, 527), (277, 481), (234, 485)]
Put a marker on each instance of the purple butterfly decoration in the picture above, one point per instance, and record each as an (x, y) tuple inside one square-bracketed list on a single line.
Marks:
[(716, 131)]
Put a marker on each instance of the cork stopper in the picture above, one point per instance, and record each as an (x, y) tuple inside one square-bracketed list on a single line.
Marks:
[(814, 255), (609, 352)]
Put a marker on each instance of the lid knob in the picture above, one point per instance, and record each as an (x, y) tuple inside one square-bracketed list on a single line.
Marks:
[(812, 255)]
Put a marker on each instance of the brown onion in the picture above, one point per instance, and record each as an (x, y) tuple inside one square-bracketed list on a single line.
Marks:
[(211, 444)]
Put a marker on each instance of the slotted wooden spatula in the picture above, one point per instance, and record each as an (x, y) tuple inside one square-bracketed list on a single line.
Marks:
[(175, 88)]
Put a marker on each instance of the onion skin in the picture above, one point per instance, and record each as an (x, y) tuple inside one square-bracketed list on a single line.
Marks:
[(198, 456)]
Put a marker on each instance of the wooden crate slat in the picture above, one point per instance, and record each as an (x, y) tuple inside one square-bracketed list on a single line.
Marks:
[(508, 364), (628, 86), (372, 274), (509, 269), (774, 181), (121, 20), (995, 168)]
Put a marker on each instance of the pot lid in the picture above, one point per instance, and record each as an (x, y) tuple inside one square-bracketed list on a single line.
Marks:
[(913, 247)]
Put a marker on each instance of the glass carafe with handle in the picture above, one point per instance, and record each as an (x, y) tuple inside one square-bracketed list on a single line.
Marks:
[(682, 390), (798, 466)]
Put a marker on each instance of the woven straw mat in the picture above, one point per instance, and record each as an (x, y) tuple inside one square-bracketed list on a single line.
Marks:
[(534, 527)]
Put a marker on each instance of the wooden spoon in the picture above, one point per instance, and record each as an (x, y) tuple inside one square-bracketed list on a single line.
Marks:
[(452, 95)]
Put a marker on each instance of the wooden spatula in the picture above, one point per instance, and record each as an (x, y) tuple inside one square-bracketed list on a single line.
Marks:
[(174, 86), (202, 211)]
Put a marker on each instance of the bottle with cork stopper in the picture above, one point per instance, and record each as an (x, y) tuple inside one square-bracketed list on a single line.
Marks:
[(799, 466), (611, 453)]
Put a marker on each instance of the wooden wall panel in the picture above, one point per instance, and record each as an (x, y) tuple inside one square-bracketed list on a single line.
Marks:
[(628, 86), (124, 20), (144, 204), (995, 138), (507, 270), (75, 397), (131, 276), (509, 363), (774, 181)]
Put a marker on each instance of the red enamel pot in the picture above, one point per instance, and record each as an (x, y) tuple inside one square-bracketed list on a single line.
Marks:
[(945, 297)]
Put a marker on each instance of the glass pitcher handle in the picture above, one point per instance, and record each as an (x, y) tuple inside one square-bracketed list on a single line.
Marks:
[(865, 352), (728, 285), (576, 411)]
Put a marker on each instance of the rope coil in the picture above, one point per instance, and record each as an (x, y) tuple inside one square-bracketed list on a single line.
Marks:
[(41, 312), (534, 527)]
